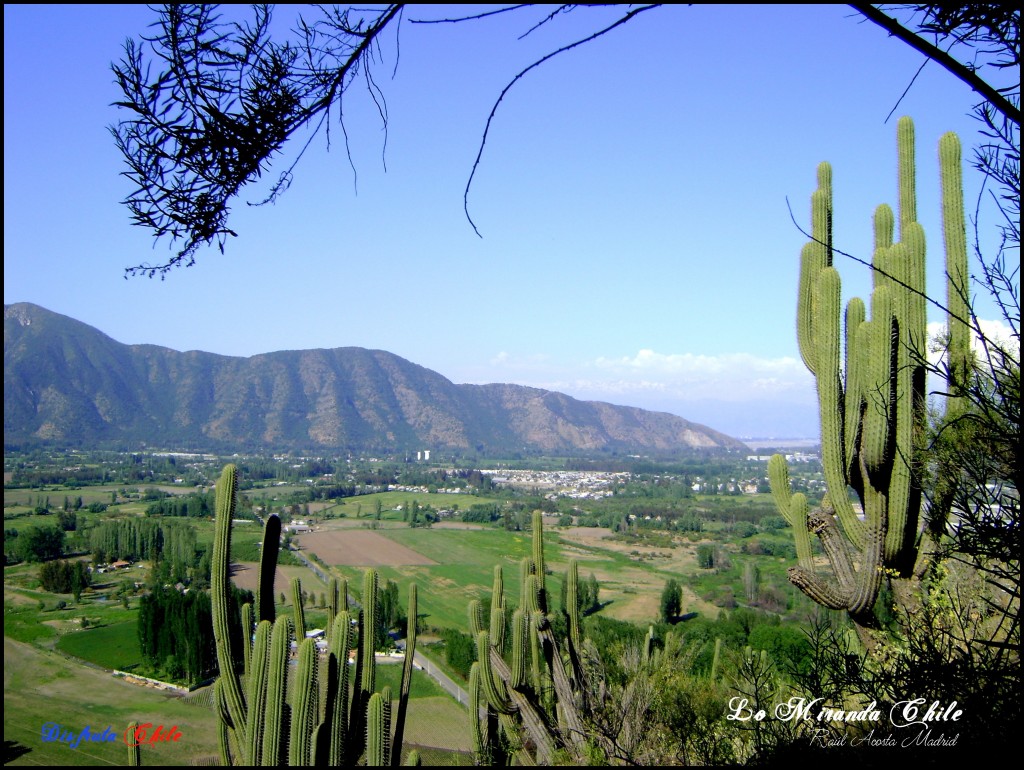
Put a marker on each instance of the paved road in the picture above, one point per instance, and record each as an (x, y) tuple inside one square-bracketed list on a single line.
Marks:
[(316, 568), (441, 678)]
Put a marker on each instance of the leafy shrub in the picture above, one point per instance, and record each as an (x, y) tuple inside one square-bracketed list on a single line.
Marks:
[(459, 651), (706, 556), (744, 529)]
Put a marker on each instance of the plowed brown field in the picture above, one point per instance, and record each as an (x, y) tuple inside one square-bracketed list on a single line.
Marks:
[(361, 548)]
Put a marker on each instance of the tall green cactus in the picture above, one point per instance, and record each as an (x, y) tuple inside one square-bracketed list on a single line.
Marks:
[(268, 568), (872, 402), (220, 590), (260, 721), (792, 507), (538, 697), (304, 708), (275, 721), (403, 696), (298, 609), (377, 732), (332, 605), (134, 752)]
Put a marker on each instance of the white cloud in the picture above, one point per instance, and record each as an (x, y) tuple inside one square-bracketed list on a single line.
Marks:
[(995, 331), (739, 393), (659, 381), (729, 376)]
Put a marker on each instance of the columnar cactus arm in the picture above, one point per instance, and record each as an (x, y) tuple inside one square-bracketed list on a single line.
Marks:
[(879, 351), (908, 184), (268, 568), (375, 728), (497, 627), (567, 708), (572, 606), (538, 680), (220, 708), (822, 523), (818, 590), (531, 595), (958, 343), (476, 734), (336, 716), (257, 694), (904, 494), (851, 590), (220, 589), (515, 703), (853, 406), (298, 610), (492, 684), (224, 744), (476, 617), (275, 724), (958, 279), (814, 257), (778, 480), (792, 507), (247, 632), (520, 629), (300, 744), (830, 400), (332, 606), (385, 697), (366, 670), (343, 596), (538, 560), (403, 697), (356, 740), (134, 752), (369, 639)]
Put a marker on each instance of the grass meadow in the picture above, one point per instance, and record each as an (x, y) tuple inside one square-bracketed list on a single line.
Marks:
[(45, 679)]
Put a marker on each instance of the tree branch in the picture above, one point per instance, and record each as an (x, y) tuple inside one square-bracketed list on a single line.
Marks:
[(507, 88), (961, 71)]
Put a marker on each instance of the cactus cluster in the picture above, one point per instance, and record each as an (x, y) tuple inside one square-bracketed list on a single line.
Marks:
[(533, 701), (872, 399), (264, 722)]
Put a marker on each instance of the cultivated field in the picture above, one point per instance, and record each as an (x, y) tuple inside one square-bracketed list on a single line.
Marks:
[(632, 576), (247, 575), (454, 564), (360, 548)]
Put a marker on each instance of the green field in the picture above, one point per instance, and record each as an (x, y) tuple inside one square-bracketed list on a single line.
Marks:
[(632, 570), (364, 506), (631, 578), (465, 570), (41, 687), (115, 646)]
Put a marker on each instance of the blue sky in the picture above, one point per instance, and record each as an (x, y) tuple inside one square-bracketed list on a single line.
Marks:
[(632, 199)]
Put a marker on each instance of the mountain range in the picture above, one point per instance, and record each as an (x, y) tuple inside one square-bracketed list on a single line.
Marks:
[(66, 382)]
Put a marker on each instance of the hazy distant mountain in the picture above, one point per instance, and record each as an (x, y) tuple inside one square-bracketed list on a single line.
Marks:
[(66, 381)]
